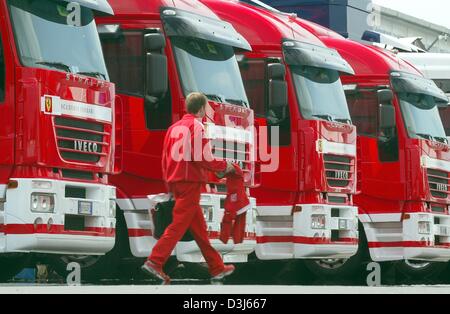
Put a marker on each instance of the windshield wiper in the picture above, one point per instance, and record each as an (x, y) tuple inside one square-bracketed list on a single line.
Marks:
[(56, 65), (325, 117), (237, 102), (214, 97), (425, 136), (441, 139), (346, 121), (93, 74)]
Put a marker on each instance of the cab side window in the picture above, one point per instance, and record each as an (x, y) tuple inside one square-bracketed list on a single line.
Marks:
[(255, 77), (123, 56), (363, 107), (126, 62)]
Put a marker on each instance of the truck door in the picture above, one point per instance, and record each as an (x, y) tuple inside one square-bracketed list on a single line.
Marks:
[(378, 149), (146, 119), (279, 186)]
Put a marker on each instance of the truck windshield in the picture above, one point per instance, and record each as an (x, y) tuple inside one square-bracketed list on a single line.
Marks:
[(49, 35), (320, 94), (210, 68), (421, 117)]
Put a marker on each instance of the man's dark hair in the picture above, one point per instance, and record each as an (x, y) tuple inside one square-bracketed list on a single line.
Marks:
[(195, 102)]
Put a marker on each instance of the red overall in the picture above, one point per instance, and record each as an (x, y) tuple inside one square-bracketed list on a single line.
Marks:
[(236, 206), (185, 179)]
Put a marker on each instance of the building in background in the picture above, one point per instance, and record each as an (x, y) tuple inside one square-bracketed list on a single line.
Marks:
[(435, 38), (347, 17), (351, 18)]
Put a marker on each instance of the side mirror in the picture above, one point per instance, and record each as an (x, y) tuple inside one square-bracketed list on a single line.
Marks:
[(154, 42), (387, 117), (278, 89), (157, 75), (385, 96)]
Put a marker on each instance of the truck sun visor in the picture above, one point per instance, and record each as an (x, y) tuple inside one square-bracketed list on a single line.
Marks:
[(300, 53), (410, 83), (97, 5), (182, 23)]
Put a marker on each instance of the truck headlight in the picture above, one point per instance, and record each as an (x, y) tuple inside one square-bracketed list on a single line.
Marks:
[(112, 208), (42, 203), (318, 222), (424, 227)]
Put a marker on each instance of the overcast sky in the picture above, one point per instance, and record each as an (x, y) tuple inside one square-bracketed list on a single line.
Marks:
[(435, 11)]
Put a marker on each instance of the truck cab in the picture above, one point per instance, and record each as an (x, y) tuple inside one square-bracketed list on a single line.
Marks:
[(157, 52), (305, 200), (436, 67), (403, 156), (57, 135)]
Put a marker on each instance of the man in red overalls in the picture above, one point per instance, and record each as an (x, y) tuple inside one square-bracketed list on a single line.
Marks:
[(186, 159)]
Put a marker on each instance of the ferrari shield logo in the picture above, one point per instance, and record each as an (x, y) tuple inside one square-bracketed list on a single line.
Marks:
[(48, 104)]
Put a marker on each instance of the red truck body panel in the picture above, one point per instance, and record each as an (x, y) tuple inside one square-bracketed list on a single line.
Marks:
[(301, 178), (58, 134), (389, 192), (142, 144)]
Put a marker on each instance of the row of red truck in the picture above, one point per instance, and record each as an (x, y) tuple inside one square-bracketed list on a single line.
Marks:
[(342, 146)]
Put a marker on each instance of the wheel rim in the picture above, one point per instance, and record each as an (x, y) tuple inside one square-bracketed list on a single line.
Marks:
[(331, 263), (417, 265)]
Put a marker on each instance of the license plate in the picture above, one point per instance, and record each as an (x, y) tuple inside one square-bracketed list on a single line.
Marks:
[(343, 224), (84, 208)]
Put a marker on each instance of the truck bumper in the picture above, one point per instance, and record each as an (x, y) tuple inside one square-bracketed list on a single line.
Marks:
[(142, 241), (311, 231), (427, 237), (82, 222), (417, 236)]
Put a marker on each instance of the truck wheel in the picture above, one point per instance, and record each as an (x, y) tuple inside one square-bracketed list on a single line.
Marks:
[(419, 272), (95, 268), (342, 271), (12, 265)]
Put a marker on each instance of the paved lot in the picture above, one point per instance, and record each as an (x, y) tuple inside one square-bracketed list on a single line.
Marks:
[(217, 289)]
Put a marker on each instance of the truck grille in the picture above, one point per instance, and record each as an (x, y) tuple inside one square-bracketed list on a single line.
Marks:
[(438, 183), (79, 140), (338, 170), (232, 151)]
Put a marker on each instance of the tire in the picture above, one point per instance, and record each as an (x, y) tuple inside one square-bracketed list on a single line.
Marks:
[(342, 271), (12, 265), (417, 272), (96, 268)]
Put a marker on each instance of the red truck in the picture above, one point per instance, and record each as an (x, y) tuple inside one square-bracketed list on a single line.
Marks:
[(305, 208), (403, 161), (57, 139), (157, 52)]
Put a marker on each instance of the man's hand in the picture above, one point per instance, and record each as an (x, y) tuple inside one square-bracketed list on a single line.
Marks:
[(230, 168)]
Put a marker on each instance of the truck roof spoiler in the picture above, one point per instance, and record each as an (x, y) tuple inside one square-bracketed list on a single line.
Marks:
[(101, 6), (301, 53), (187, 24), (409, 83)]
